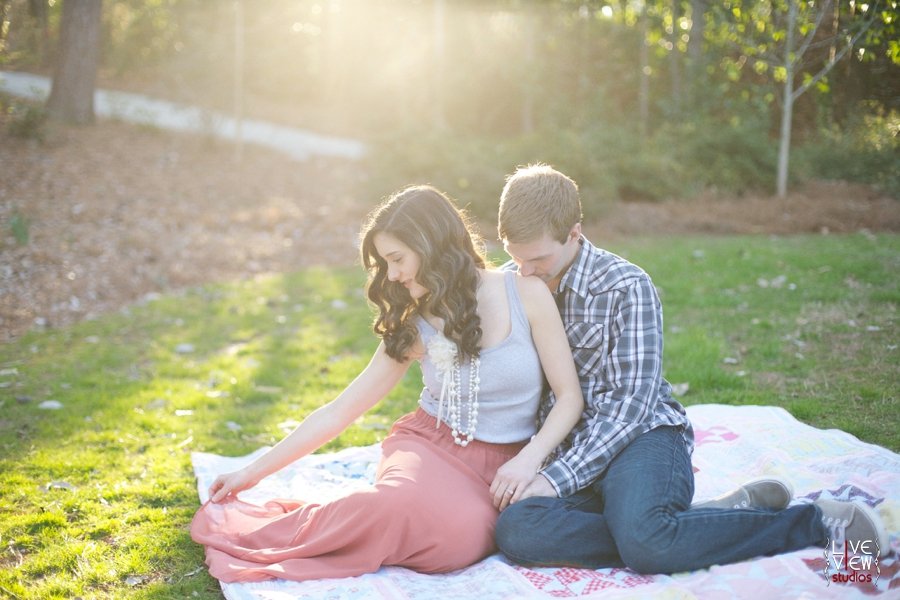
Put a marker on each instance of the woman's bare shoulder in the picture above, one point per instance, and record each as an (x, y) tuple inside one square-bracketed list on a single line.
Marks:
[(533, 287), (536, 297)]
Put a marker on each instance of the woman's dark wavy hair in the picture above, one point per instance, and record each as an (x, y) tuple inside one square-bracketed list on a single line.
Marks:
[(427, 221)]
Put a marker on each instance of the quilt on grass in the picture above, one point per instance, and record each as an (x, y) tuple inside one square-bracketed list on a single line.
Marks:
[(733, 444)]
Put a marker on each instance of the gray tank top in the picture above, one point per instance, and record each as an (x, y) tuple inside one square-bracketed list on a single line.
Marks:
[(511, 379)]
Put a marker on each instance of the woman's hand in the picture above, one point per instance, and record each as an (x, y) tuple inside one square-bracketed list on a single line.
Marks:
[(512, 479), (229, 484)]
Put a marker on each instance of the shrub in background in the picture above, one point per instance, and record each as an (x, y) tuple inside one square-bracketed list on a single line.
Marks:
[(734, 158), (865, 151), (19, 226), (610, 163), (469, 169), (25, 119)]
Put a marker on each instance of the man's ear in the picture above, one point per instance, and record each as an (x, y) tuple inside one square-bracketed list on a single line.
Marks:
[(575, 232)]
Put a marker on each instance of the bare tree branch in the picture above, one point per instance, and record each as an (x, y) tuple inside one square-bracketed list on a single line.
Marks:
[(840, 54), (812, 33)]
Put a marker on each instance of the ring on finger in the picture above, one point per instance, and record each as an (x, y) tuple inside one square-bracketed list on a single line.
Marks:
[(508, 492)]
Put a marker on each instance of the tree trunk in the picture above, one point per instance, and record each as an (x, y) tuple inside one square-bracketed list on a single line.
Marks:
[(40, 13), (675, 59), (787, 108), (529, 80), (784, 144), (72, 95), (583, 98), (238, 80), (695, 49), (644, 85), (4, 31), (439, 58)]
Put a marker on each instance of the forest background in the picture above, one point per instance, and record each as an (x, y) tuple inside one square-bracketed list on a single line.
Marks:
[(756, 116), (636, 99)]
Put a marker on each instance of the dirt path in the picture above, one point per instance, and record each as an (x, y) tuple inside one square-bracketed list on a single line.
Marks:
[(116, 212), (163, 114)]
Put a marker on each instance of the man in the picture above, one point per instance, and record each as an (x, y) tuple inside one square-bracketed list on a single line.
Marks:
[(618, 491)]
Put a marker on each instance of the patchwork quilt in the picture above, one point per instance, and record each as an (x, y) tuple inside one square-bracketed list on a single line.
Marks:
[(733, 444)]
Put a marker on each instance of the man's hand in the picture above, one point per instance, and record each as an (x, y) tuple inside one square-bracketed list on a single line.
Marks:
[(539, 486)]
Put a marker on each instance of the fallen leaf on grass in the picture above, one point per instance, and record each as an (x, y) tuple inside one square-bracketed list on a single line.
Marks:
[(58, 485), (16, 553), (775, 282), (259, 438), (155, 404), (267, 389), (235, 348)]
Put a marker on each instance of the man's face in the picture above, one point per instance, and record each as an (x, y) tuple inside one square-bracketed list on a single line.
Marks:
[(545, 257)]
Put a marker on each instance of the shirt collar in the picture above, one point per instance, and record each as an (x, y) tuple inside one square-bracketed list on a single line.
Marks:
[(578, 275)]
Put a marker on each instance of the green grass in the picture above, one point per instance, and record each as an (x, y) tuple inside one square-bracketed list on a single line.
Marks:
[(805, 323), (823, 345)]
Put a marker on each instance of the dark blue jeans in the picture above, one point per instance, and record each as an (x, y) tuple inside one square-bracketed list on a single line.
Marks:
[(637, 515)]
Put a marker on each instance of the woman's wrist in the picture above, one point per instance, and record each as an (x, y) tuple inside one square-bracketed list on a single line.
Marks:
[(534, 454), (251, 474)]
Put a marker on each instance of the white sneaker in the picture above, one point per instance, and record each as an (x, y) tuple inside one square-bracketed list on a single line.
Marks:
[(770, 493), (853, 521)]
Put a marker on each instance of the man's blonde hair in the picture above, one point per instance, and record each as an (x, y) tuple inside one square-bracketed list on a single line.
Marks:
[(538, 199)]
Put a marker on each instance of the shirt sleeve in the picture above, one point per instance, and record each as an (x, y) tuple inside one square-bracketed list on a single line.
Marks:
[(631, 377)]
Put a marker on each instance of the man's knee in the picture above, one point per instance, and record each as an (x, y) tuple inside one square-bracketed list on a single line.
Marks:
[(646, 559), (515, 533), (643, 551)]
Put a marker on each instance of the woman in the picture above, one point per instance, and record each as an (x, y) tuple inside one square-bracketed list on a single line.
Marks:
[(483, 339)]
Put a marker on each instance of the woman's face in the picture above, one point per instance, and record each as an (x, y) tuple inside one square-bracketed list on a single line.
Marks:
[(402, 263)]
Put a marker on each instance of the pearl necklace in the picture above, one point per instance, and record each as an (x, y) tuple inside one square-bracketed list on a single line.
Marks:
[(455, 408), (444, 355)]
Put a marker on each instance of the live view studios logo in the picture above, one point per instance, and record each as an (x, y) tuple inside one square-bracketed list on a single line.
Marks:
[(852, 561)]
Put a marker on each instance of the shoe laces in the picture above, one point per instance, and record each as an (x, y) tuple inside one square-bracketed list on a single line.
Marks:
[(837, 527)]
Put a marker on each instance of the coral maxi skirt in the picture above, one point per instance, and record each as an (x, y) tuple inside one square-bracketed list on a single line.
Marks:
[(429, 510)]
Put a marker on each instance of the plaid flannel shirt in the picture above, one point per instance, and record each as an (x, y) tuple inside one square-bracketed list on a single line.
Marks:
[(613, 319)]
